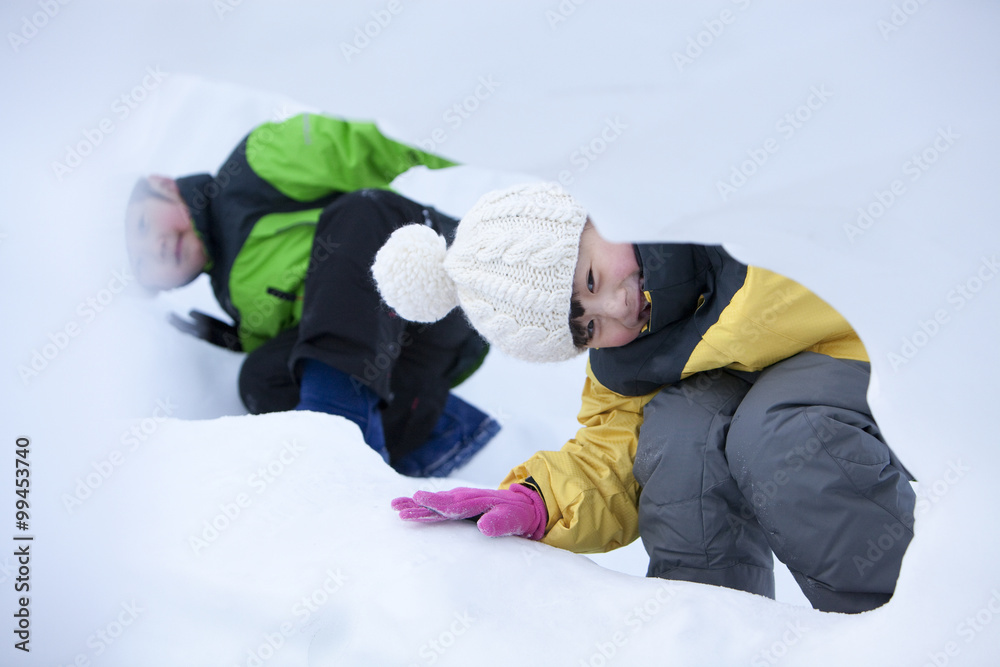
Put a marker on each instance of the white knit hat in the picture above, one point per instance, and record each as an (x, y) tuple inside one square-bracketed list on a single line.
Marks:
[(510, 267)]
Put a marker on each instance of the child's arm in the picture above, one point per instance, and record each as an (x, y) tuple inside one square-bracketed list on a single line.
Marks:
[(771, 318), (310, 156), (587, 489), (590, 493)]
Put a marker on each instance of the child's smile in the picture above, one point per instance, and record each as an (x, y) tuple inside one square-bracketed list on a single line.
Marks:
[(608, 284)]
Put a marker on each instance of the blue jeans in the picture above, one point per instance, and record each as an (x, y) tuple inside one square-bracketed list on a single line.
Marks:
[(325, 389), (461, 431)]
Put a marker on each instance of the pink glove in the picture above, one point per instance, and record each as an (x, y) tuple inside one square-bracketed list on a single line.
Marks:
[(514, 511)]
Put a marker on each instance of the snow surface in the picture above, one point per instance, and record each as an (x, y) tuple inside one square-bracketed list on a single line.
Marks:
[(892, 103)]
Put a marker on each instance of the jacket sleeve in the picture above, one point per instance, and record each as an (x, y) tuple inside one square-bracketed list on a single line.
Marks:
[(588, 487), (310, 156), (771, 318)]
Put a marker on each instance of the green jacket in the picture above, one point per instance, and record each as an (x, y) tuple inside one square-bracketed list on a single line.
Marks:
[(257, 216)]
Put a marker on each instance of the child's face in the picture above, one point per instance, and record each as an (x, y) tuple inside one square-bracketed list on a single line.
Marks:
[(608, 284), (163, 248)]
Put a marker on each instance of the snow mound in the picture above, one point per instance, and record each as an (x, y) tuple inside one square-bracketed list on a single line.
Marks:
[(269, 540)]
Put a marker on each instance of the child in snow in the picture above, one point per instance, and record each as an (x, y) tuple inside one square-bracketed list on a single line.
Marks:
[(724, 414), (287, 232)]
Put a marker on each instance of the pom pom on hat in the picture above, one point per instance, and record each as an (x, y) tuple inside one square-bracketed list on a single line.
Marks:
[(410, 274), (510, 267)]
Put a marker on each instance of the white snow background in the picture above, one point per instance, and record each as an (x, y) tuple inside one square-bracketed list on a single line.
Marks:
[(808, 113)]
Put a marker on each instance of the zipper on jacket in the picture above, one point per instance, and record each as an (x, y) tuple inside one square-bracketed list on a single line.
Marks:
[(284, 296)]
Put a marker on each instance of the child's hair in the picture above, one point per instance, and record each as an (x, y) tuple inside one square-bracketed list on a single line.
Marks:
[(578, 330)]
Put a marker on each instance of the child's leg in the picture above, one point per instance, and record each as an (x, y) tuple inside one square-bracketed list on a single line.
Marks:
[(836, 506), (346, 326), (326, 389), (460, 432), (429, 430), (344, 323), (693, 520), (266, 384)]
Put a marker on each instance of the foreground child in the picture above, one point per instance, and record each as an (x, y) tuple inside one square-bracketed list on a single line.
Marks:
[(287, 232), (724, 412)]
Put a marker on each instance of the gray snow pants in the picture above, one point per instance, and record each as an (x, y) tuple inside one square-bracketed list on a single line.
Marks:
[(734, 466)]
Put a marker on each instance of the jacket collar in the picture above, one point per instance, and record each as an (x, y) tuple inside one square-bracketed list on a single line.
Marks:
[(675, 278)]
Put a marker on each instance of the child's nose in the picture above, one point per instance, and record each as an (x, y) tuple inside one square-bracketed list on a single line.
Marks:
[(615, 306)]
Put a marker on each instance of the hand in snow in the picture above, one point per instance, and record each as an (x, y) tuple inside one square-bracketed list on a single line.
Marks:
[(514, 511)]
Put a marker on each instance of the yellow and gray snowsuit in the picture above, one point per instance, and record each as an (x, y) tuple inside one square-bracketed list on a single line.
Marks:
[(736, 424)]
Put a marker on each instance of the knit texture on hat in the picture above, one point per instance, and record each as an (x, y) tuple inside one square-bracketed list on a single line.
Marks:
[(510, 267)]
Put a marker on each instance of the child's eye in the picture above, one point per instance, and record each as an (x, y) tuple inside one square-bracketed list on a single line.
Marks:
[(590, 282), (590, 329)]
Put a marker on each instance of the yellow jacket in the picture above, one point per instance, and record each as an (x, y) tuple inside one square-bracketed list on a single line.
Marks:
[(588, 487)]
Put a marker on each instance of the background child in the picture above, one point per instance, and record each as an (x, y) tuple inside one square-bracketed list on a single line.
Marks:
[(724, 413), (287, 231)]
